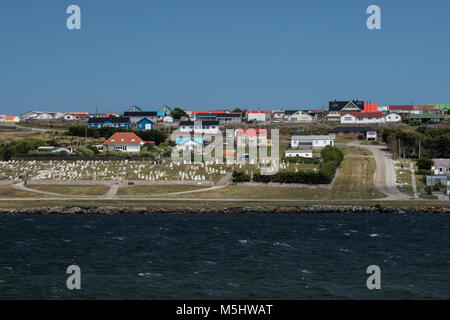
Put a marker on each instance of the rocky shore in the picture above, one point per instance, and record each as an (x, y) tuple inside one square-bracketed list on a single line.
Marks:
[(261, 209)]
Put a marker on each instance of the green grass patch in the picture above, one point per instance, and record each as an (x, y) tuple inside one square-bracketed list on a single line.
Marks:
[(73, 190), (152, 190)]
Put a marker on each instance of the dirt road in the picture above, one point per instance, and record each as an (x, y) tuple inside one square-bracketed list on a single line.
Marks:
[(385, 172)]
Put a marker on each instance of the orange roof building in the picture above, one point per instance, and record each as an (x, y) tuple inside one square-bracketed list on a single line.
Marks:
[(124, 142)]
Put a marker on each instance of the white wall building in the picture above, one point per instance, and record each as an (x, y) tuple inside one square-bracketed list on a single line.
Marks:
[(363, 118), (314, 141), (204, 127), (393, 117), (441, 167), (255, 115)]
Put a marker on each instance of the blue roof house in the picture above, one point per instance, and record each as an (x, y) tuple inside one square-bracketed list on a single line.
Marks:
[(145, 124), (189, 144)]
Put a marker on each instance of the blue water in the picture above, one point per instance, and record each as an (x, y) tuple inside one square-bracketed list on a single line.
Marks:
[(260, 256)]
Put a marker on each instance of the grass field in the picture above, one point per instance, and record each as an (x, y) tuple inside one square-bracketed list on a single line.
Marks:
[(355, 151), (354, 181), (9, 192), (139, 191), (57, 136), (73, 190), (404, 178)]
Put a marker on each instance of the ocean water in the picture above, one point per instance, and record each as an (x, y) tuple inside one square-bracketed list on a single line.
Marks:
[(237, 256)]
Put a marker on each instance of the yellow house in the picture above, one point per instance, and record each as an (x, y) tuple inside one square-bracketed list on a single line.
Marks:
[(297, 116), (12, 119)]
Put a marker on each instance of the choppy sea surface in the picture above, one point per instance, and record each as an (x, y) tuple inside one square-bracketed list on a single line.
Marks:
[(237, 256)]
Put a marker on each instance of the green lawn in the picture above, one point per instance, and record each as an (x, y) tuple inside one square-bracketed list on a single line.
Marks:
[(152, 190), (404, 177), (355, 151), (6, 191), (73, 190)]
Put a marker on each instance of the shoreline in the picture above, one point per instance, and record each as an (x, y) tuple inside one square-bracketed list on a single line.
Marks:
[(222, 210)]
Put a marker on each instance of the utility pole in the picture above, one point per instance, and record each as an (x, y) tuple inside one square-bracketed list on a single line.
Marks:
[(399, 148), (419, 148)]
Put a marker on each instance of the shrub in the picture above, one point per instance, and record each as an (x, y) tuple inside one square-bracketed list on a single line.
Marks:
[(328, 170), (85, 151), (424, 163), (239, 176), (330, 153), (298, 159)]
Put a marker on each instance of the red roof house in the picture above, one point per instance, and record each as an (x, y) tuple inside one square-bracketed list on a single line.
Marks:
[(124, 142), (401, 108)]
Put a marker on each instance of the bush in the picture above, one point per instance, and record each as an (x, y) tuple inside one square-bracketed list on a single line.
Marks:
[(424, 163), (298, 159), (328, 170), (330, 153), (239, 176), (85, 151), (117, 154), (304, 177), (20, 148)]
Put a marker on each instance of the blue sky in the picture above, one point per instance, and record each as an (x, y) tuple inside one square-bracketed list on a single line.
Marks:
[(203, 54)]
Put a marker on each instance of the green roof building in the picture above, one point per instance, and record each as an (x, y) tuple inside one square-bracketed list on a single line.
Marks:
[(444, 106), (426, 117)]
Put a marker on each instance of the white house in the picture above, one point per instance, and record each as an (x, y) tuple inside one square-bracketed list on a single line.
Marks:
[(362, 117), (277, 115), (198, 126), (76, 116), (299, 153), (168, 119), (441, 167), (123, 142), (189, 144), (393, 117), (298, 116), (314, 141), (255, 115), (48, 115)]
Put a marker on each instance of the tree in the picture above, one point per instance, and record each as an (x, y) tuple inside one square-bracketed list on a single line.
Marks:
[(177, 113), (330, 153), (152, 135), (424, 163)]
